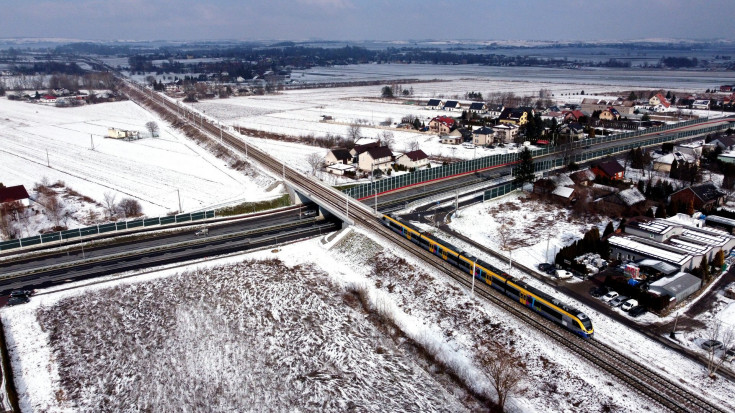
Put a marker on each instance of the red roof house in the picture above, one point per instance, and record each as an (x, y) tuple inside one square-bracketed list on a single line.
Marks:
[(13, 194)]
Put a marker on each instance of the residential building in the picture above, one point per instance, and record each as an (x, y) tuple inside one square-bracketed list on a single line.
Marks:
[(338, 156), (414, 159), (435, 104), (506, 133), (609, 169), (442, 124), (374, 158), (453, 105), (573, 130), (515, 116), (454, 137), (483, 136), (659, 100), (610, 114), (691, 148), (341, 169), (724, 142), (573, 115), (564, 194), (584, 177), (663, 163), (494, 111), (15, 193), (477, 107), (704, 196), (702, 104), (360, 148), (628, 198)]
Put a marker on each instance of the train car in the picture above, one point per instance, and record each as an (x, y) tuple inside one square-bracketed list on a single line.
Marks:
[(542, 303)]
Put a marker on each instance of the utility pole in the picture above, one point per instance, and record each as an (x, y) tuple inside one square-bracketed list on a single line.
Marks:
[(376, 201), (178, 194), (456, 202), (347, 205), (474, 267), (48, 163), (673, 332), (91, 140), (284, 171)]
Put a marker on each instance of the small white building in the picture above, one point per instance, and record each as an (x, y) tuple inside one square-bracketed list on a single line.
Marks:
[(506, 132), (340, 168)]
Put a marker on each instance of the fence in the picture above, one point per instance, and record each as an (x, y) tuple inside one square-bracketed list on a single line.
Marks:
[(463, 167), (101, 229)]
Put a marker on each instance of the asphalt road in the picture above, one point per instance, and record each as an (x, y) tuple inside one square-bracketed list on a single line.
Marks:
[(222, 238)]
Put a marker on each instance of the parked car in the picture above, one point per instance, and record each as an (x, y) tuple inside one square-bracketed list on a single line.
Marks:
[(21, 293), (563, 274), (617, 301), (609, 296), (544, 266), (203, 231), (710, 345), (629, 304), (637, 311), (309, 213), (18, 300), (730, 354), (598, 292)]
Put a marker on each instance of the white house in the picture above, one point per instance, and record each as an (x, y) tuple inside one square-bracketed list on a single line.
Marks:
[(338, 156), (375, 158), (435, 104), (414, 159), (483, 136), (506, 132)]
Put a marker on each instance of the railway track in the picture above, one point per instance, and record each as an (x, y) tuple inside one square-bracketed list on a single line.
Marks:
[(637, 376)]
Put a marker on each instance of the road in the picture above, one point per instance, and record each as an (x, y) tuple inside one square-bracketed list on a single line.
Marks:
[(223, 238)]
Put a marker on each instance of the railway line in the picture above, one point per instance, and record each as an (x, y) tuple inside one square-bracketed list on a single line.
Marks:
[(637, 376)]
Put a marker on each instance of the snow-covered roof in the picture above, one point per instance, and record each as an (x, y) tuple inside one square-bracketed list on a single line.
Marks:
[(668, 159), (709, 236), (563, 191), (634, 244), (631, 196), (721, 220), (562, 180), (676, 282), (341, 167), (658, 265), (658, 226)]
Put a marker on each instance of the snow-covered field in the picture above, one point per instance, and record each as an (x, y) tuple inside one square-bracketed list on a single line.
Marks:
[(150, 170), (307, 345)]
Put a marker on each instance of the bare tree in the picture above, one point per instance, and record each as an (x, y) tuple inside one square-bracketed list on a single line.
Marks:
[(726, 336), (505, 232), (506, 375), (386, 139), (110, 205), (54, 207), (413, 146), (315, 161), (152, 127), (354, 132), (130, 207)]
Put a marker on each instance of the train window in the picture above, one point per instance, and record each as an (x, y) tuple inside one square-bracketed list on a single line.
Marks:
[(550, 311), (511, 289)]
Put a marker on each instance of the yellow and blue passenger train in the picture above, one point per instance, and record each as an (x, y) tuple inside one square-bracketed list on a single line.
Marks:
[(542, 303)]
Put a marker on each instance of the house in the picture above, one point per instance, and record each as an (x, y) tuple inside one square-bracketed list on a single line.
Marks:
[(702, 104), (585, 177), (543, 186), (454, 137), (572, 130), (727, 157), (494, 111), (483, 136), (553, 115), (435, 104), (358, 149), (374, 158), (50, 99), (514, 116), (338, 156), (663, 163), (691, 148), (573, 115), (453, 105), (506, 133), (610, 114), (442, 124), (477, 107), (704, 196), (116, 133), (659, 100), (414, 159), (610, 169), (724, 142), (15, 193)]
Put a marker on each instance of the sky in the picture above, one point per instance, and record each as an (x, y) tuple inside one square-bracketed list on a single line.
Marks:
[(367, 19)]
